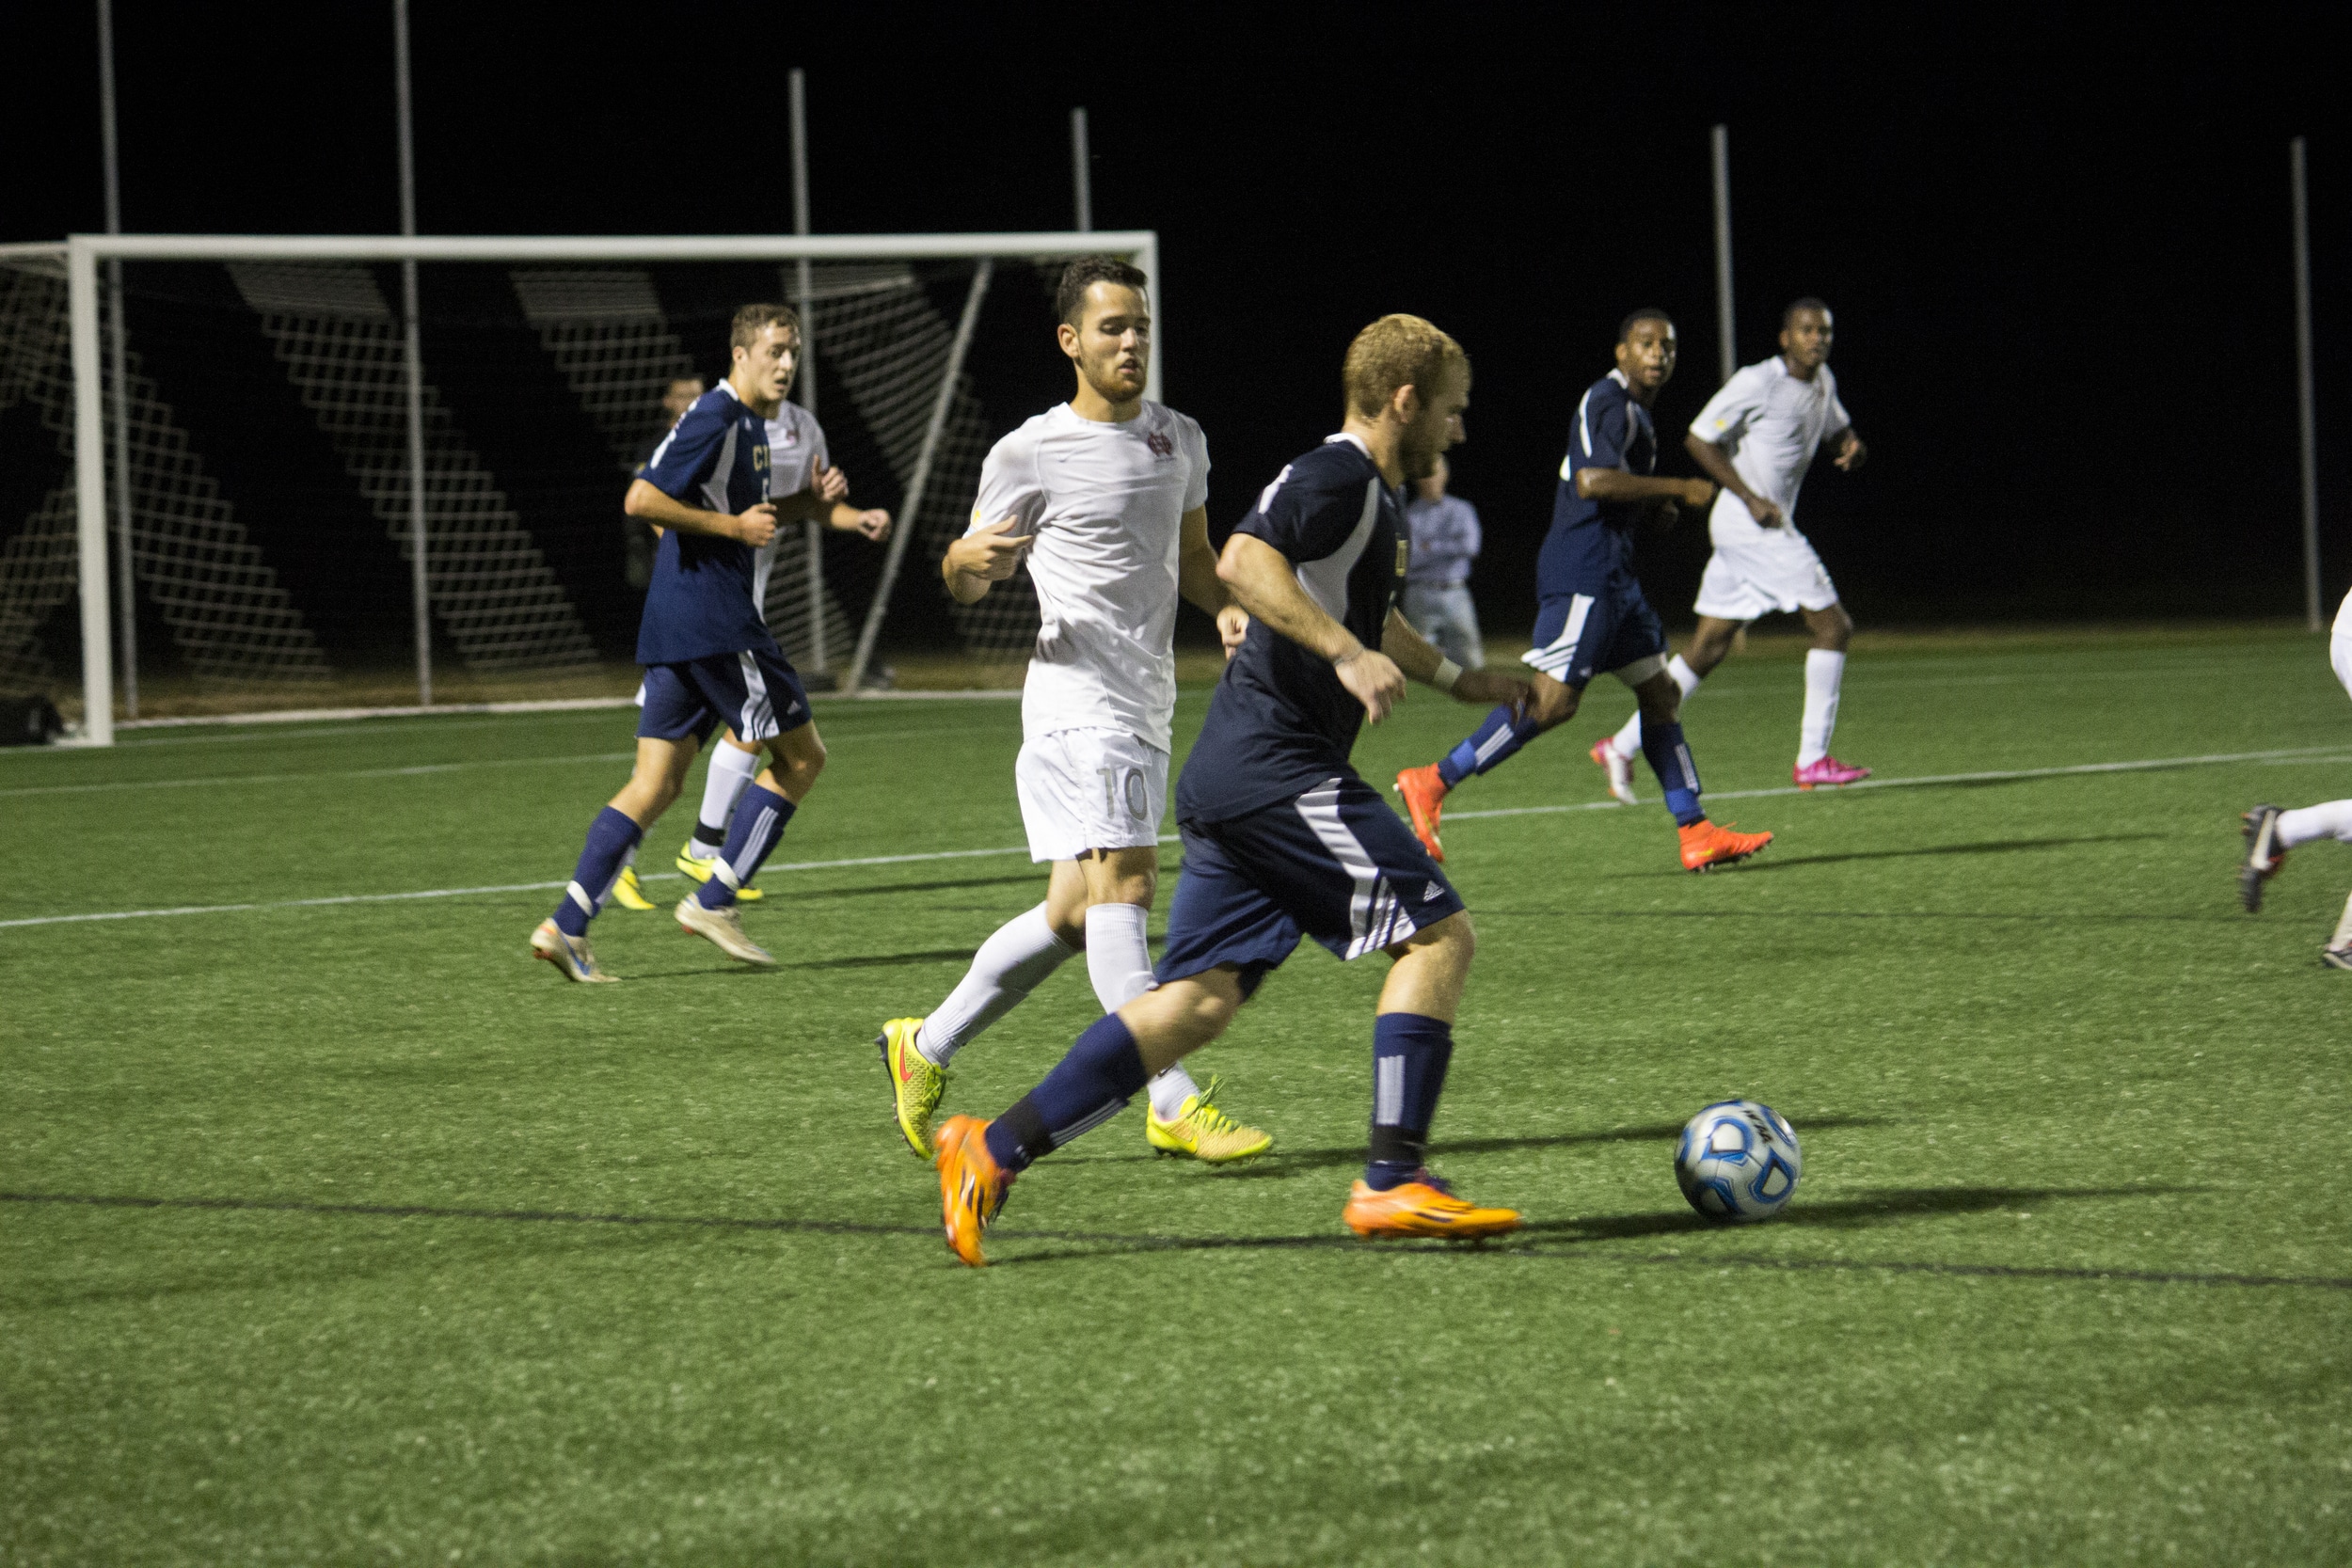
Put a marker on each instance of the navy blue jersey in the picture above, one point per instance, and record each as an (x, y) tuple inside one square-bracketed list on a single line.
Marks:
[(1590, 542), (1280, 723), (700, 600)]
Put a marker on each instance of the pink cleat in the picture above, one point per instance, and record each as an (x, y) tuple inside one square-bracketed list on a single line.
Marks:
[(1620, 770), (1829, 771)]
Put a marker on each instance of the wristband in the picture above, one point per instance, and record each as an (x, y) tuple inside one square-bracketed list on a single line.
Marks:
[(1448, 672)]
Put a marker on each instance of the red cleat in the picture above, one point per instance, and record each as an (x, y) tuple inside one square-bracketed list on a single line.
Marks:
[(1828, 771), (1424, 798), (1705, 845)]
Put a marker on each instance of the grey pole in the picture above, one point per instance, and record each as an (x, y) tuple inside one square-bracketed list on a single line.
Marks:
[(911, 508), (801, 292), (2308, 417), (1720, 142), (118, 367), (412, 351), (1082, 171)]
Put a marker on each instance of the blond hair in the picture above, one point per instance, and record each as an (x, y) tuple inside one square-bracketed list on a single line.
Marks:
[(1393, 352)]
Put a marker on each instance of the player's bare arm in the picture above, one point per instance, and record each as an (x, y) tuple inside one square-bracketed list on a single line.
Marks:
[(1717, 466), (1425, 661), (1851, 453), (755, 526), (981, 558), (1265, 586), (1198, 581), (1616, 484)]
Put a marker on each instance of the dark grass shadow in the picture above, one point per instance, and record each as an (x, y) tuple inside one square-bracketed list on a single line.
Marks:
[(1542, 1238), (1033, 874), (726, 968), (1992, 846), (1297, 1161), (1777, 916)]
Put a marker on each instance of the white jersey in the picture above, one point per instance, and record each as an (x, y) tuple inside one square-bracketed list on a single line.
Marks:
[(1770, 424), (1105, 502), (796, 453)]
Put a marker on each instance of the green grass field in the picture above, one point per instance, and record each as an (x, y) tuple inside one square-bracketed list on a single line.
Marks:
[(343, 1232)]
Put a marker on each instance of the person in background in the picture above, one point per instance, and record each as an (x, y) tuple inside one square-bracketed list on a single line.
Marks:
[(639, 540), (1437, 581)]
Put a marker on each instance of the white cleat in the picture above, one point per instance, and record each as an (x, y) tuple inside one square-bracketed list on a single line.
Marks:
[(723, 928), (1619, 768), (569, 955)]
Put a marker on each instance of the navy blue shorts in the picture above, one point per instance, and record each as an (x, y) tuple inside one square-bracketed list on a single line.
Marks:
[(1334, 863), (1579, 635), (755, 693)]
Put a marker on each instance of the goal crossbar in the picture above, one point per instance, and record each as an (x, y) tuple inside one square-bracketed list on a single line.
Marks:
[(82, 253)]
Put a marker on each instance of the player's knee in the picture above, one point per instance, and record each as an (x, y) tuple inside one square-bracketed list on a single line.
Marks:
[(1555, 704)]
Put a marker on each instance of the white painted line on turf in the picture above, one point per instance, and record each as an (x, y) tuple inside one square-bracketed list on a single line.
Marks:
[(2150, 765), (414, 771), (550, 704)]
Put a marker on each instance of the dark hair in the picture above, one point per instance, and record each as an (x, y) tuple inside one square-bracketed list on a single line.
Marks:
[(1807, 303), (1646, 313), (751, 320), (1082, 273)]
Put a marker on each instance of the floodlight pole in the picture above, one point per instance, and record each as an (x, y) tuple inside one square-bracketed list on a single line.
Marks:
[(118, 356), (1082, 171), (800, 302), (2307, 415), (412, 353), (1719, 141)]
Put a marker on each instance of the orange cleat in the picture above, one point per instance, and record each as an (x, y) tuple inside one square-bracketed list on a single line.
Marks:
[(1705, 845), (972, 1186), (1424, 798), (1425, 1206)]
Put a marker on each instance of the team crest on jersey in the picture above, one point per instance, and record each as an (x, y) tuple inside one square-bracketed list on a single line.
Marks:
[(1159, 443)]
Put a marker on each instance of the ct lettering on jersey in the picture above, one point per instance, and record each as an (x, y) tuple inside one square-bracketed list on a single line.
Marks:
[(1404, 550)]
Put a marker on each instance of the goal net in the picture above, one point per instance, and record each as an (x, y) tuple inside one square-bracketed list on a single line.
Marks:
[(224, 518)]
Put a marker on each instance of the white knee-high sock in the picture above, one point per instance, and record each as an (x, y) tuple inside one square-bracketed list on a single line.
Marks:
[(731, 773), (2344, 928), (1118, 961), (1823, 671), (1010, 964), (1628, 740), (2331, 819)]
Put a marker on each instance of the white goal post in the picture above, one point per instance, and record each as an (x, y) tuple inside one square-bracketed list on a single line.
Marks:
[(81, 254)]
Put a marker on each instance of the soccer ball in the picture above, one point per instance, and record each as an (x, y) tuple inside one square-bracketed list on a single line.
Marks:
[(1738, 1161)]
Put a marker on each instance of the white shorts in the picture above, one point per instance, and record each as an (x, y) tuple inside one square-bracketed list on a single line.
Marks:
[(1091, 790), (1776, 570)]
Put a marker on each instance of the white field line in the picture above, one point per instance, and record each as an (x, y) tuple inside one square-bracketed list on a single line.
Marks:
[(552, 705), (1997, 776)]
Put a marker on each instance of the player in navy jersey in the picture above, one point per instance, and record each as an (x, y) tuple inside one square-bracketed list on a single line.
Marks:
[(707, 656), (1281, 839), (1590, 613)]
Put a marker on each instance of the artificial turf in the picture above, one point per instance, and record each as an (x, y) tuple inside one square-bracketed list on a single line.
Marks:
[(343, 1232)]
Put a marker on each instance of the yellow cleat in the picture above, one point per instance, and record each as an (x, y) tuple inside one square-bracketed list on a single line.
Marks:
[(1204, 1132), (626, 893), (698, 867), (915, 1085)]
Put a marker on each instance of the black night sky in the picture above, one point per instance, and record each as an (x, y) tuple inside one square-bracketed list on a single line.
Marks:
[(2057, 239)]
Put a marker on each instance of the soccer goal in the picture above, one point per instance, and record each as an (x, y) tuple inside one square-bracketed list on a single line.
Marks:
[(241, 473)]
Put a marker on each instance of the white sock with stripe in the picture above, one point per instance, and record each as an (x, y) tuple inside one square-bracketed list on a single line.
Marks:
[(1824, 669), (1011, 963), (2307, 824), (1628, 740), (731, 772)]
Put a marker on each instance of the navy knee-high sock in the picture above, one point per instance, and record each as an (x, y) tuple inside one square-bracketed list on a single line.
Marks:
[(1410, 1053), (1090, 1085), (1490, 745), (610, 837), (1670, 759), (758, 828)]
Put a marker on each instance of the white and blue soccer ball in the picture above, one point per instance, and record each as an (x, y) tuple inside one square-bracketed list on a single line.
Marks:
[(1739, 1161)]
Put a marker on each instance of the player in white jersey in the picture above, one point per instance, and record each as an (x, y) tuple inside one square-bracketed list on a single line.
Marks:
[(2271, 830), (1105, 497), (1755, 439), (805, 482)]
